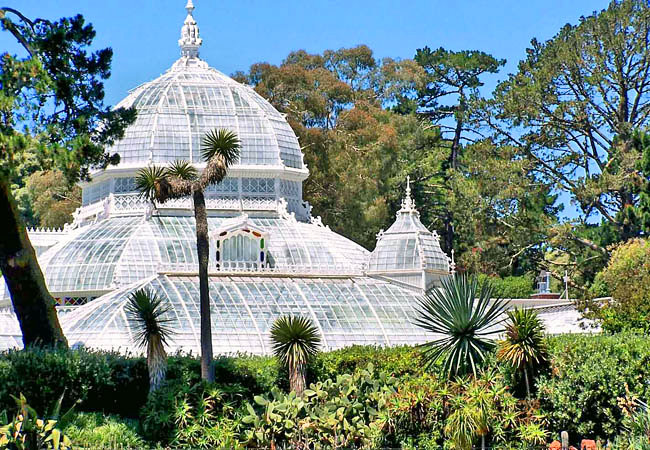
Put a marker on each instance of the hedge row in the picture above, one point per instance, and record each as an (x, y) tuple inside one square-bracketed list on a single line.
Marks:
[(578, 392)]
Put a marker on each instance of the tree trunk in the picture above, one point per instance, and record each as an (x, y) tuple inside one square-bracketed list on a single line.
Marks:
[(32, 302), (203, 250), (297, 378), (452, 165), (527, 383)]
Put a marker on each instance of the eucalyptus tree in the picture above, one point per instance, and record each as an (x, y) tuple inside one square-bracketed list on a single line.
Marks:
[(146, 313), (220, 149), (52, 116), (464, 319), (294, 341)]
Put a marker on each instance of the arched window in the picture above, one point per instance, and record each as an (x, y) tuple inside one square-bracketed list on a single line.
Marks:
[(240, 245)]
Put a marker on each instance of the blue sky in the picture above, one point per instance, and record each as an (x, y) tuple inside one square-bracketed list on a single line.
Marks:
[(238, 33)]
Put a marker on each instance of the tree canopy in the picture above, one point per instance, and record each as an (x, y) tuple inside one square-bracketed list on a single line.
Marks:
[(52, 117)]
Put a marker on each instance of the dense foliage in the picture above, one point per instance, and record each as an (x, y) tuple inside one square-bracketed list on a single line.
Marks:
[(579, 391), (510, 286), (588, 375), (625, 279)]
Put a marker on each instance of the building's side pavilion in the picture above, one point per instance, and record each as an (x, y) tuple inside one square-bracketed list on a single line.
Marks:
[(268, 256)]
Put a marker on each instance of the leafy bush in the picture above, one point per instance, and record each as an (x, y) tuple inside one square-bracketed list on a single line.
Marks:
[(28, 431), (43, 375), (509, 287), (396, 361), (588, 374), (368, 409), (333, 414), (626, 279), (112, 383), (256, 374), (96, 430), (199, 415)]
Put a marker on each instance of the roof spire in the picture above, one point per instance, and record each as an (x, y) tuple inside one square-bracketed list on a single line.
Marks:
[(190, 40), (408, 205)]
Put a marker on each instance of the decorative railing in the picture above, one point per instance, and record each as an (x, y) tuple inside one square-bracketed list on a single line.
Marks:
[(310, 269), (44, 230), (129, 204)]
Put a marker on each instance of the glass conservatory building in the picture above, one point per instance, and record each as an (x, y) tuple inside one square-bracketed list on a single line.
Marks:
[(269, 256)]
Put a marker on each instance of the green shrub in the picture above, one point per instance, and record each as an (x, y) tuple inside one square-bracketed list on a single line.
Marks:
[(116, 384), (199, 415), (588, 374), (98, 381), (509, 287), (346, 413), (626, 279), (43, 375), (257, 374), (396, 361), (96, 430)]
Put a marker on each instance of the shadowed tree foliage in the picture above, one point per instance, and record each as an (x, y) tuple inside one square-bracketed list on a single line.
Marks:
[(53, 201), (145, 311), (294, 341), (219, 149), (52, 117)]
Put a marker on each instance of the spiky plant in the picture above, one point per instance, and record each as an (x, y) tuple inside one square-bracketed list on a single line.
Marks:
[(152, 184), (220, 143), (145, 311), (294, 341), (464, 318), (182, 169), (523, 346), (220, 149)]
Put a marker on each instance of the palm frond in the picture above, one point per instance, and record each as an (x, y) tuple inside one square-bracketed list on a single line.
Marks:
[(182, 169), (523, 344), (148, 182), (294, 339), (463, 320), (221, 143)]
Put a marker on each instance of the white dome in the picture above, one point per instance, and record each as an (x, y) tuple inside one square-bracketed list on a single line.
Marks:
[(178, 108)]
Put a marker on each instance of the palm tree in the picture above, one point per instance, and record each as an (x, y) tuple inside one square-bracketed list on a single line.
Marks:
[(294, 341), (145, 311), (463, 319), (220, 149), (524, 346)]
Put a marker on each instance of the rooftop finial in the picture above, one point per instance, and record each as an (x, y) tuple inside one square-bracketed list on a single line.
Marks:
[(190, 40), (407, 204)]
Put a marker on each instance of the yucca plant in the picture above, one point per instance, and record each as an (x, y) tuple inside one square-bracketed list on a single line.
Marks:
[(464, 318), (145, 311), (523, 346), (220, 149), (294, 341)]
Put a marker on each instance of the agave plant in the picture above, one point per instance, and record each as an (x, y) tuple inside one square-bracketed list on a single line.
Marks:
[(145, 311), (220, 149), (464, 318), (523, 346), (294, 341)]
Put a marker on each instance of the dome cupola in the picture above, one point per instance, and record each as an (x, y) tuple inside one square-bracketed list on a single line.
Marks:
[(408, 252), (174, 113)]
